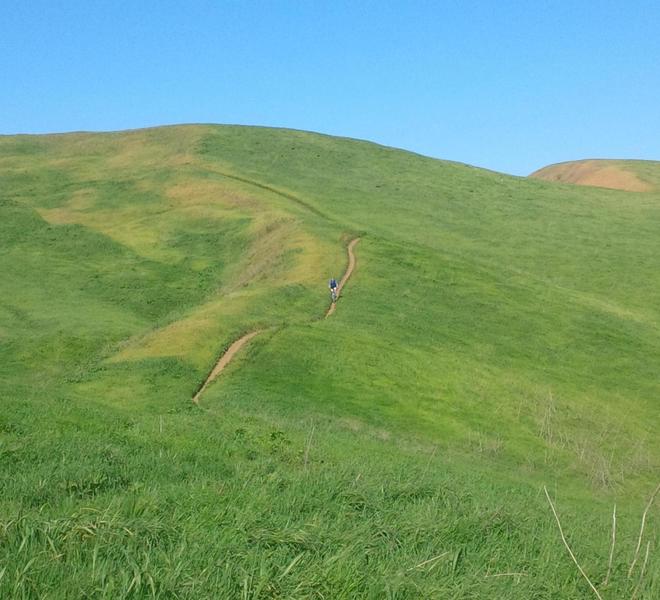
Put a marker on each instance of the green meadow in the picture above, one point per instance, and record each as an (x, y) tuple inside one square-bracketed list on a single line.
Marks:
[(498, 335)]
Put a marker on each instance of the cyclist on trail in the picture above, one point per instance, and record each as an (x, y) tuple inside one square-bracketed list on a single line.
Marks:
[(333, 289)]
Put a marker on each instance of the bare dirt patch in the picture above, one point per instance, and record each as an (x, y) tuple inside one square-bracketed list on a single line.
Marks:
[(598, 173)]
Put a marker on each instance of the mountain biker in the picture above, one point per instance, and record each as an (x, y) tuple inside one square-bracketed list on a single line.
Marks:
[(333, 288)]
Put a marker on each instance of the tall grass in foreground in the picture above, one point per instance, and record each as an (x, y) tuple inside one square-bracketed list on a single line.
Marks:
[(208, 503)]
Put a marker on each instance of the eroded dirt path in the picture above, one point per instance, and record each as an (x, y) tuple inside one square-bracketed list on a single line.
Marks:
[(226, 358), (344, 279), (224, 361)]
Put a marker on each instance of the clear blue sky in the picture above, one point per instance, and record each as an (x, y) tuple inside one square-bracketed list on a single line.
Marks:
[(506, 85)]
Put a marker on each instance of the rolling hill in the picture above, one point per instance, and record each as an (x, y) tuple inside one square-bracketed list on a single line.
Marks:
[(498, 334), (629, 175)]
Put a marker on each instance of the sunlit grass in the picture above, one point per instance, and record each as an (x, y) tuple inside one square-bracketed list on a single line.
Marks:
[(497, 335)]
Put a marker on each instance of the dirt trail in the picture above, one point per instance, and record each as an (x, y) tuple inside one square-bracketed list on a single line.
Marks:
[(224, 361), (344, 279), (226, 358)]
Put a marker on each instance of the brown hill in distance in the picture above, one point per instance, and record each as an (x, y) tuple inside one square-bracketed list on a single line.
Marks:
[(629, 175)]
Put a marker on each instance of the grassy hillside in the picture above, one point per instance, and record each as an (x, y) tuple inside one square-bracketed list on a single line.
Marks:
[(629, 175), (499, 334)]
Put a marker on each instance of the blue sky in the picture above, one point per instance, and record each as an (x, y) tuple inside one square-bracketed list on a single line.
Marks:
[(510, 86)]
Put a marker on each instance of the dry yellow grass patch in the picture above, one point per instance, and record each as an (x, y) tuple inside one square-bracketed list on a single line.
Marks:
[(280, 250), (146, 230), (598, 173), (272, 240), (143, 233), (147, 147), (68, 214), (196, 192), (196, 337)]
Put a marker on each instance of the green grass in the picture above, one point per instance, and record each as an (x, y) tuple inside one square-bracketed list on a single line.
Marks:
[(498, 335), (647, 170)]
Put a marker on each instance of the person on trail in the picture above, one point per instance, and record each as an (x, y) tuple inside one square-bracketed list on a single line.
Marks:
[(333, 288)]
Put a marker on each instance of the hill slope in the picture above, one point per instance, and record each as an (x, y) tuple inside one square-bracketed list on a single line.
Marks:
[(629, 175), (497, 334)]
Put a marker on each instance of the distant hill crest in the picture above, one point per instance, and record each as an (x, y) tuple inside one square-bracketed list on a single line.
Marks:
[(628, 175)]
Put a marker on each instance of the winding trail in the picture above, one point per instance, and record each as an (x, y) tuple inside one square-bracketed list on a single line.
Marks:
[(344, 279), (226, 358), (269, 188)]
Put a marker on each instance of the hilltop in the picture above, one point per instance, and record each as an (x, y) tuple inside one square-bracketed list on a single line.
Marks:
[(498, 334), (629, 175)]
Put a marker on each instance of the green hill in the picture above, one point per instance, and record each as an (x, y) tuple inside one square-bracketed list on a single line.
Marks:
[(498, 334)]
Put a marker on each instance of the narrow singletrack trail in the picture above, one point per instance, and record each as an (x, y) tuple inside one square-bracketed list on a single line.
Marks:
[(269, 188), (225, 360), (349, 271)]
